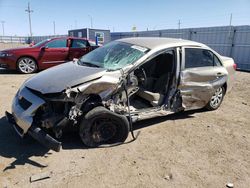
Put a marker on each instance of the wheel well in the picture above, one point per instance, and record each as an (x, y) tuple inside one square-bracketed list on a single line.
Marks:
[(28, 57), (92, 102)]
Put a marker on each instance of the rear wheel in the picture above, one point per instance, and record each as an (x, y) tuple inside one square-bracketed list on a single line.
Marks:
[(101, 126), (216, 99), (26, 65)]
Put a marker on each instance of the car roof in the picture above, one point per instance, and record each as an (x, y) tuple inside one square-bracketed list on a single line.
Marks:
[(157, 42), (68, 37)]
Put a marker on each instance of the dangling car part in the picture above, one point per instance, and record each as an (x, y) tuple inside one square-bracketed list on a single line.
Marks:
[(125, 81)]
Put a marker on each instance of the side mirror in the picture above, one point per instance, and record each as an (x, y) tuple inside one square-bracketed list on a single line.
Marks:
[(43, 48)]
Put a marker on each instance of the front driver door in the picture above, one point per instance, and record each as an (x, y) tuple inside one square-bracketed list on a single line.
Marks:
[(53, 53), (201, 74)]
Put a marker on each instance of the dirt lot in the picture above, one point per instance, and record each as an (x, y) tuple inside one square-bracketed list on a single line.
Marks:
[(194, 149)]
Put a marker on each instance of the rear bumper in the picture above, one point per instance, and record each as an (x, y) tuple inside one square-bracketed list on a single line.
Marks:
[(37, 133)]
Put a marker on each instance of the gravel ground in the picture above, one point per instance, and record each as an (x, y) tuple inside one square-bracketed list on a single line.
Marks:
[(193, 149)]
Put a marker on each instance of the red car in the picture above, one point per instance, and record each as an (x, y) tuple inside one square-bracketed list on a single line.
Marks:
[(45, 54)]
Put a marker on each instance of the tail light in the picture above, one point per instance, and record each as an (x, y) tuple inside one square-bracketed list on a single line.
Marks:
[(235, 66)]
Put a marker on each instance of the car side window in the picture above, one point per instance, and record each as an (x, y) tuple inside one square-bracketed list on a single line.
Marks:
[(217, 61), (58, 43), (195, 57), (78, 43)]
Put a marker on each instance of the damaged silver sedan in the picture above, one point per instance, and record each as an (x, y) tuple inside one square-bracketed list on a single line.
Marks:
[(125, 81)]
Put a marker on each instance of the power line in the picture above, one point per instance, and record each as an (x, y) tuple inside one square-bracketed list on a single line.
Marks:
[(29, 13)]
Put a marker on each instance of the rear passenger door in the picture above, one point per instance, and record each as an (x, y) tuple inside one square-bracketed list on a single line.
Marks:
[(78, 47), (201, 74)]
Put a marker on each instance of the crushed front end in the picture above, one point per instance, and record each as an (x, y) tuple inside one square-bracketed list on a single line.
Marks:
[(24, 110), (42, 115)]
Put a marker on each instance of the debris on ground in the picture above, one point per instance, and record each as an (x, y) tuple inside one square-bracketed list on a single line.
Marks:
[(168, 176), (41, 176), (230, 185)]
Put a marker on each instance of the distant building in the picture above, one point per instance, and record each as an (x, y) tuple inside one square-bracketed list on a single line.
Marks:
[(101, 35)]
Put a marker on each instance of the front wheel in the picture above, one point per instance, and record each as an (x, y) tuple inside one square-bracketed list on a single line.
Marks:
[(216, 99), (101, 126), (26, 65)]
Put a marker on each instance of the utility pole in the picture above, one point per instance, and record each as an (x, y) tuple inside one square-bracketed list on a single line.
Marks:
[(179, 24), (179, 28), (230, 25), (3, 26), (29, 13), (54, 26), (231, 17), (75, 24), (91, 21)]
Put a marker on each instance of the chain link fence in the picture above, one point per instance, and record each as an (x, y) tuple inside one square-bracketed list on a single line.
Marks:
[(7, 42), (26, 40)]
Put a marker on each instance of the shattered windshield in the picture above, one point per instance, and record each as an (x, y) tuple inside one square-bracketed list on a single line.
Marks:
[(113, 56)]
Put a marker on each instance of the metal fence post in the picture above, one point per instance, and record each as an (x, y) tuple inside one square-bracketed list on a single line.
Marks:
[(231, 38), (160, 34), (190, 34)]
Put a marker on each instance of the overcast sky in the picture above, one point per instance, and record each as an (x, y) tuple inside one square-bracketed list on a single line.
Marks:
[(119, 15)]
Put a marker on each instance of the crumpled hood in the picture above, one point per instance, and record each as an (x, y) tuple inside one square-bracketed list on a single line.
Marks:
[(60, 77)]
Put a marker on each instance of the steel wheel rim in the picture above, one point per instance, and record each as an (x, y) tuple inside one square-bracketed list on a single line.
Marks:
[(103, 130), (27, 65), (216, 98)]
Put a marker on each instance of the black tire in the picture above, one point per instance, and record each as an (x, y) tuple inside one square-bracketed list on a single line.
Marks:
[(218, 95), (101, 126), (27, 65)]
